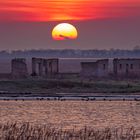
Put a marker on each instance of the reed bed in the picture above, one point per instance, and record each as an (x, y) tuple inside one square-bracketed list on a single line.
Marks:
[(27, 131)]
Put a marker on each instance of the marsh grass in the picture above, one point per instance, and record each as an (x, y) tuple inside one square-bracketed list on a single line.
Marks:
[(70, 86), (27, 131)]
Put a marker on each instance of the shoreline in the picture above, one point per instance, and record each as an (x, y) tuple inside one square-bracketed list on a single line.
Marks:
[(75, 98)]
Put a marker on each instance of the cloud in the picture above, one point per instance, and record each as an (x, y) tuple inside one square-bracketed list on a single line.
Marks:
[(51, 10), (16, 16), (64, 37)]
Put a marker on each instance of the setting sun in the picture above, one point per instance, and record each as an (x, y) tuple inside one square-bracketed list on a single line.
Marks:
[(64, 31)]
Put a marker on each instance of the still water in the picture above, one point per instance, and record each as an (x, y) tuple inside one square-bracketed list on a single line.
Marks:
[(70, 114)]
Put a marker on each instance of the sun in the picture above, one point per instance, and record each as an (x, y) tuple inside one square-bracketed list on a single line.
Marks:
[(64, 31)]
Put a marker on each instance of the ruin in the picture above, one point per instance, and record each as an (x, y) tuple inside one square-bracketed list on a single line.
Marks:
[(126, 67), (119, 68), (19, 68), (45, 67), (49, 68), (95, 69)]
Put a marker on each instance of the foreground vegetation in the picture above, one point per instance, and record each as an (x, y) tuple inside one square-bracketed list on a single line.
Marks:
[(70, 86), (26, 131)]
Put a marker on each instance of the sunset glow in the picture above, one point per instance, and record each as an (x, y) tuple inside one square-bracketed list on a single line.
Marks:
[(64, 31), (56, 10)]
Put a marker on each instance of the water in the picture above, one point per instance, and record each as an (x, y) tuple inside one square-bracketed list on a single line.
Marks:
[(69, 114), (75, 96)]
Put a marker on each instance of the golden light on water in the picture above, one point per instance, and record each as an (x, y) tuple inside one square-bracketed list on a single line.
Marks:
[(64, 31)]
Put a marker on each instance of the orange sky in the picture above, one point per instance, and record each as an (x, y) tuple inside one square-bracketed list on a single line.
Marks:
[(52, 10)]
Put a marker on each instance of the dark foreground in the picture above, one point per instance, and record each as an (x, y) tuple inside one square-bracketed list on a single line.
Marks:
[(78, 87), (26, 131)]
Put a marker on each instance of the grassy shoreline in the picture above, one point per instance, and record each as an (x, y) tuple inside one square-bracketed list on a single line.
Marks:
[(51, 87)]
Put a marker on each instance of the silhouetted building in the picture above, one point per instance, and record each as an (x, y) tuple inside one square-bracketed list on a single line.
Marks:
[(49, 68), (127, 67), (19, 68), (45, 67), (95, 69)]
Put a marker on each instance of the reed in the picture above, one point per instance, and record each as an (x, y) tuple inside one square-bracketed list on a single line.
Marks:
[(27, 131)]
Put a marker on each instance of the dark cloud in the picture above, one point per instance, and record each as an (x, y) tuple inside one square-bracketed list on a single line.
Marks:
[(64, 37)]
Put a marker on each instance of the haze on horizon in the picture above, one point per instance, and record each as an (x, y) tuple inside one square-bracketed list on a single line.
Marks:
[(102, 24)]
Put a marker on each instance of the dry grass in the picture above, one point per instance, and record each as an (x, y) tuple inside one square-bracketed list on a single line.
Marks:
[(27, 131)]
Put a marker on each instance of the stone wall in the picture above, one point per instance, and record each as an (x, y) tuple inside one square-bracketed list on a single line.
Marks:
[(103, 68), (52, 66), (19, 68), (37, 66), (127, 67), (100, 68), (95, 69), (44, 67)]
